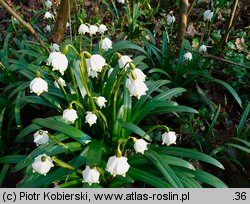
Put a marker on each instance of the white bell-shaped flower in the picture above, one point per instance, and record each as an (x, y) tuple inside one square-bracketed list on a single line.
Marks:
[(106, 44), (90, 118), (58, 61), (61, 81), (139, 74), (90, 175), (93, 29), (55, 48), (48, 28), (102, 28), (169, 138), (48, 4), (136, 87), (170, 19), (96, 63), (100, 101), (83, 29), (48, 15), (203, 48), (38, 86), (117, 166), (70, 115), (140, 146), (67, 25), (208, 15), (121, 1), (41, 137), (124, 61), (42, 164), (188, 56)]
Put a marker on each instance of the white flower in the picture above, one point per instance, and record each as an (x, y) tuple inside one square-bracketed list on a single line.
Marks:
[(15, 20), (188, 56), (70, 115), (140, 146), (106, 44), (93, 29), (90, 175), (117, 166), (136, 87), (96, 63), (101, 101), (121, 1), (83, 29), (124, 61), (90, 118), (170, 19), (42, 164), (38, 85), (169, 138), (41, 137), (102, 28), (58, 61), (203, 48), (62, 82), (55, 47), (48, 28), (110, 71), (48, 4), (208, 15), (139, 74), (67, 25), (48, 15)]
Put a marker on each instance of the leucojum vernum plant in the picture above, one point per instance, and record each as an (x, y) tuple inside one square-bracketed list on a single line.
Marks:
[(103, 96)]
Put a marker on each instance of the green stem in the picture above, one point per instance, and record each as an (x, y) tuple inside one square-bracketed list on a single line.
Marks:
[(157, 127)]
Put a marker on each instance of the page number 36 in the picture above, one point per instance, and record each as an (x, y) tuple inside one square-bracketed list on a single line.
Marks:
[(240, 196)]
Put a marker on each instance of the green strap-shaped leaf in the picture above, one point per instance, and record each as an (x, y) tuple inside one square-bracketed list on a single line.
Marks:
[(94, 152)]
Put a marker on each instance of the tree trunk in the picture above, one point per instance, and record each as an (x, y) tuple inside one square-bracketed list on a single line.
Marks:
[(62, 19)]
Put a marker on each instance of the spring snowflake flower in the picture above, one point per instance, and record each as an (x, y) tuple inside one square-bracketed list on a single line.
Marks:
[(90, 175), (124, 61), (41, 137), (83, 29), (48, 4), (58, 61), (170, 19), (90, 118), (106, 44), (55, 47), (139, 74), (188, 56), (38, 86), (61, 80), (117, 166), (48, 28), (70, 115), (48, 15), (208, 15), (100, 101), (15, 21), (169, 138), (121, 1), (67, 25), (140, 146), (136, 87), (42, 164), (203, 48), (93, 29), (102, 28), (96, 63)]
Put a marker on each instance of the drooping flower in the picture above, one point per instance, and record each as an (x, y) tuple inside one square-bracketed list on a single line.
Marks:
[(169, 138), (93, 29), (208, 15), (58, 61), (48, 15), (62, 82), (203, 48), (38, 86), (67, 25), (100, 101), (90, 175), (106, 44), (83, 29), (188, 56), (117, 166), (102, 28), (42, 164), (90, 118), (15, 21), (121, 1), (170, 19), (48, 28), (48, 4), (55, 47), (41, 137), (140, 146), (124, 61), (96, 63), (136, 87), (70, 115), (139, 74)]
